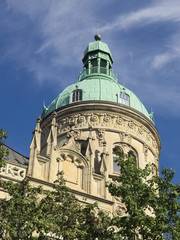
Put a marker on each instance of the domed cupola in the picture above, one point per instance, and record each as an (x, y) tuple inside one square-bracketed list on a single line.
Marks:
[(97, 82), (97, 60)]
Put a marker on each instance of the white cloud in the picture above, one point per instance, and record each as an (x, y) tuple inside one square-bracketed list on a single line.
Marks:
[(160, 60), (57, 29), (162, 10), (60, 30), (171, 53), (64, 25)]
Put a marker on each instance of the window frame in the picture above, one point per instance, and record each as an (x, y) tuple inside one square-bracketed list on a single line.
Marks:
[(115, 156), (77, 95), (124, 98)]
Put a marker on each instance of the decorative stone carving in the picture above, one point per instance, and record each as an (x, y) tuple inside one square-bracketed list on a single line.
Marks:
[(154, 169), (122, 136), (107, 118), (140, 129), (89, 150), (148, 136), (145, 150), (129, 139), (71, 121), (120, 210), (154, 143), (104, 120), (119, 121), (94, 119), (13, 172), (78, 162), (70, 158), (130, 128), (81, 120), (103, 167), (101, 136), (131, 124), (74, 133), (72, 144)]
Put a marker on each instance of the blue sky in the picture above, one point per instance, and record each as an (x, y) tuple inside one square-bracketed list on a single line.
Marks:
[(42, 44)]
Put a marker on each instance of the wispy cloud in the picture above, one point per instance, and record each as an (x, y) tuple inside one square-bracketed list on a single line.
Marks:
[(162, 10), (160, 60), (171, 53), (48, 39), (56, 30)]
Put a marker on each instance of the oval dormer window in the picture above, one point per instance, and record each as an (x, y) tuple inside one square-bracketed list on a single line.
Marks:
[(77, 95), (124, 98)]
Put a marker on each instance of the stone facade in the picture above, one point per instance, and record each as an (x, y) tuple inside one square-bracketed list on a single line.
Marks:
[(15, 169), (79, 140)]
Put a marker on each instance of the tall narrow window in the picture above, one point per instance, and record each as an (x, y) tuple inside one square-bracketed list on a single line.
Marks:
[(132, 154), (124, 98), (115, 156), (77, 95)]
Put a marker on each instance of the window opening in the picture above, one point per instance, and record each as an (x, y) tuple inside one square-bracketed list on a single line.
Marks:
[(83, 147), (132, 154), (77, 96), (124, 98), (115, 156)]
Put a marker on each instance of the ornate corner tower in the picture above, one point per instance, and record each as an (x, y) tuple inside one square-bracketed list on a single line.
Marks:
[(83, 127)]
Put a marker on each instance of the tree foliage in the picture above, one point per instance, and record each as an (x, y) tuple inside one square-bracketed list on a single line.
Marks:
[(151, 202), (3, 150), (33, 213)]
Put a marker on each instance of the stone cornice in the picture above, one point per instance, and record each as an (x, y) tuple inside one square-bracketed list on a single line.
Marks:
[(75, 192)]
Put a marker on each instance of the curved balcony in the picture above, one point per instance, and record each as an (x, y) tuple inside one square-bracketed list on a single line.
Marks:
[(97, 70)]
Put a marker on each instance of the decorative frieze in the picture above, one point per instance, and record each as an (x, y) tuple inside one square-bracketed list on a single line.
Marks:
[(103, 121), (13, 172)]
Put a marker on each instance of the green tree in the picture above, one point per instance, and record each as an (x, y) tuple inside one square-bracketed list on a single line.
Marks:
[(20, 212), (70, 219), (96, 223), (33, 213), (3, 150), (151, 202)]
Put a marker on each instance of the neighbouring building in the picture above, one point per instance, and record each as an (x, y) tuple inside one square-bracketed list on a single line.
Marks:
[(82, 129)]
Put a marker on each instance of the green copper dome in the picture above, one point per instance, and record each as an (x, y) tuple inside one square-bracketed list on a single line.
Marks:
[(97, 82)]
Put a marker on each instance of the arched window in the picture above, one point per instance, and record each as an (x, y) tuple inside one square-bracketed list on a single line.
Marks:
[(77, 95), (132, 154), (124, 98), (115, 156)]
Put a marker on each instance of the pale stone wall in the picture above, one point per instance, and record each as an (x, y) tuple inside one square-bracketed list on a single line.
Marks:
[(13, 173), (80, 139)]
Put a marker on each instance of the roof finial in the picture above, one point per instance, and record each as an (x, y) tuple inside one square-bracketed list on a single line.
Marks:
[(97, 37)]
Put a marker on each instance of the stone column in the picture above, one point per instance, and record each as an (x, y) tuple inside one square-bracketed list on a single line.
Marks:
[(107, 68), (98, 65), (89, 67), (35, 147)]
